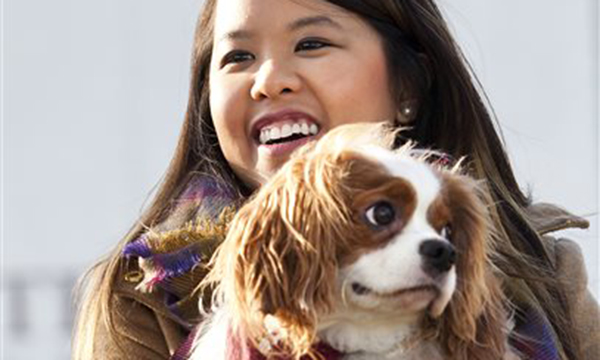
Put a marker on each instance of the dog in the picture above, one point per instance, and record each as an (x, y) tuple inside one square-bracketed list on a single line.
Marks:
[(374, 253)]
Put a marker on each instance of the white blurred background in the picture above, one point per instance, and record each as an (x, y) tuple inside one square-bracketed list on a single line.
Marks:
[(94, 92)]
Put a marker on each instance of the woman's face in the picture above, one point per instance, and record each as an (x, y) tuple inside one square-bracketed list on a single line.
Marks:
[(284, 72)]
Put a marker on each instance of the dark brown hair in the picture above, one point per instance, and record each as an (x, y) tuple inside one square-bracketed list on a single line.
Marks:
[(427, 68)]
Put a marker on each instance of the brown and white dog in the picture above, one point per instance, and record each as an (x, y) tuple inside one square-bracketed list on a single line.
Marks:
[(377, 253)]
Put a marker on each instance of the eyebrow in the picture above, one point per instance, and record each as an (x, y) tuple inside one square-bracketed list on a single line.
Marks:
[(294, 26), (312, 21), (235, 35)]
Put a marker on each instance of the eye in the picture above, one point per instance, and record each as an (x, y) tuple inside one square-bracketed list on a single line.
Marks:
[(446, 232), (381, 214), (235, 57), (311, 44)]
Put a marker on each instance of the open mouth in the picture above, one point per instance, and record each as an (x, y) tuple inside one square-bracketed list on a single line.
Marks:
[(362, 290), (287, 132)]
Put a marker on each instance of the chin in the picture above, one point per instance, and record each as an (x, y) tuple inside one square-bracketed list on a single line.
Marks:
[(369, 252)]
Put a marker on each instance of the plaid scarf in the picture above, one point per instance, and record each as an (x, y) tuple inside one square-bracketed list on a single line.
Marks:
[(198, 222)]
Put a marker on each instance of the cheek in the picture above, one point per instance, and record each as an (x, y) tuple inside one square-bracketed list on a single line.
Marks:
[(355, 89), (227, 107), (226, 104)]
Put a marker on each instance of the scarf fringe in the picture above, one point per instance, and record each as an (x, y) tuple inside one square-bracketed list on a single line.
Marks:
[(162, 255)]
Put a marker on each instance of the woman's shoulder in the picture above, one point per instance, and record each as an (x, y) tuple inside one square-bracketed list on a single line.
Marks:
[(155, 291), (129, 323), (162, 270), (565, 254), (152, 322), (546, 219), (570, 271), (583, 307)]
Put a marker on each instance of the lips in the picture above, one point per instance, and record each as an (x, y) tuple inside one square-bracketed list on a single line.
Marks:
[(287, 131), (283, 124), (279, 133), (360, 289)]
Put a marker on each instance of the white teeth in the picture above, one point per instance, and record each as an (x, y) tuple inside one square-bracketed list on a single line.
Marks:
[(275, 133), (287, 130), (304, 129), (264, 136)]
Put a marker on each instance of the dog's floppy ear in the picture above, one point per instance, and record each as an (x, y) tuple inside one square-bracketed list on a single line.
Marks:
[(278, 262), (473, 326)]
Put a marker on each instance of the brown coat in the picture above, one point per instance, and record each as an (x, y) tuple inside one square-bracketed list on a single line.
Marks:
[(149, 330)]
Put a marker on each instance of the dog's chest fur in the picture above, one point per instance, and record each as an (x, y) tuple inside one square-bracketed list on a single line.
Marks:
[(379, 343), (424, 351)]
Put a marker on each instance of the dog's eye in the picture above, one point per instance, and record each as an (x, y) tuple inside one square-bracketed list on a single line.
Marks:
[(381, 214), (446, 232)]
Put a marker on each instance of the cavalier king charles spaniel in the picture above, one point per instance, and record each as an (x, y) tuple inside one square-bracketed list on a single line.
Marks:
[(374, 253)]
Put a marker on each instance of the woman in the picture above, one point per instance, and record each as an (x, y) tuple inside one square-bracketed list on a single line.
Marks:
[(262, 67)]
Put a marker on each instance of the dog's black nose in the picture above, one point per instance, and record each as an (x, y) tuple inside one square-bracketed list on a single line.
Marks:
[(438, 256)]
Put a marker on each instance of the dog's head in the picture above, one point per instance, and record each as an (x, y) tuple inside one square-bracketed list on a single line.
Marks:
[(348, 222)]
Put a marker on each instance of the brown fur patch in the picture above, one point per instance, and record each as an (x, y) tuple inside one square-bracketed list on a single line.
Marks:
[(439, 214), (367, 183), (474, 324)]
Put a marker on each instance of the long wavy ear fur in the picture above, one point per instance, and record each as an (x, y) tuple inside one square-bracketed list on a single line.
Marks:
[(279, 257), (474, 325)]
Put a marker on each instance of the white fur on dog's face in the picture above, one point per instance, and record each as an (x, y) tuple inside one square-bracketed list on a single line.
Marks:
[(392, 277)]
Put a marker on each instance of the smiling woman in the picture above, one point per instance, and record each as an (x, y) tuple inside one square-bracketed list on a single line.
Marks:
[(271, 75), (283, 67)]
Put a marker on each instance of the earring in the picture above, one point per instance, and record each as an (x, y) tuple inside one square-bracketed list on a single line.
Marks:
[(406, 114)]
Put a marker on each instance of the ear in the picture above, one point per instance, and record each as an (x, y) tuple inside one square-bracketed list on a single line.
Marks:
[(279, 260), (474, 323)]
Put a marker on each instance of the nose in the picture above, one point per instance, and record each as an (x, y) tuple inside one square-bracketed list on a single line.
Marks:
[(274, 79), (438, 256)]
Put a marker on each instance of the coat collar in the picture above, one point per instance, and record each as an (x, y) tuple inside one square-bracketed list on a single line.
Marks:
[(546, 218)]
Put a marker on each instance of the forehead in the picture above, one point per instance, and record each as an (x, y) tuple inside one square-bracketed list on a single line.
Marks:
[(255, 15), (420, 175)]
